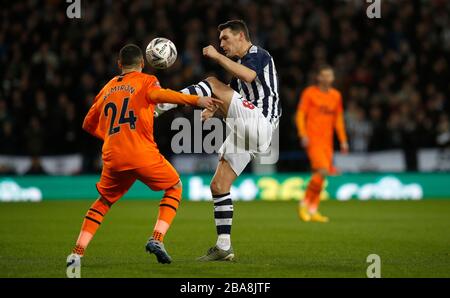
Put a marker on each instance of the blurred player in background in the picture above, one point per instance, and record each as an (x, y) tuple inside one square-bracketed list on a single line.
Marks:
[(122, 116), (252, 110), (319, 113)]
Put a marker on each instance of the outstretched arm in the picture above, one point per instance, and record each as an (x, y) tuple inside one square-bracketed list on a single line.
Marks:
[(170, 96)]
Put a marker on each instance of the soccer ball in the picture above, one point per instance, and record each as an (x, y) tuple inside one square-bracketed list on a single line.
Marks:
[(161, 53)]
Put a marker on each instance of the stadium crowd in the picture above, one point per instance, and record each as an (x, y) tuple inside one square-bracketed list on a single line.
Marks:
[(393, 72)]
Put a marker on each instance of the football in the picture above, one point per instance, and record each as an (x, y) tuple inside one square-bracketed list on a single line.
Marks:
[(161, 53)]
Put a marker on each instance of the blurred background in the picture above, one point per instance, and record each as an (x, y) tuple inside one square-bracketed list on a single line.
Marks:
[(393, 73)]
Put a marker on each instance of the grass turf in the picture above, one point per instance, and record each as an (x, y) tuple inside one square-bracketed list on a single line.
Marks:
[(411, 237)]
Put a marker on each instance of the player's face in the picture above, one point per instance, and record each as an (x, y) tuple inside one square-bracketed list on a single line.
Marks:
[(230, 42), (326, 77)]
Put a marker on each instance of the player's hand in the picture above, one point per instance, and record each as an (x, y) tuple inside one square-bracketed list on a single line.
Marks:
[(344, 148), (206, 114), (211, 52), (209, 103), (304, 142)]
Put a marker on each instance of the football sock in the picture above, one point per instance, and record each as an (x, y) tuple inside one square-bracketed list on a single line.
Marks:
[(313, 192), (79, 250), (201, 89), (224, 241), (92, 221), (167, 211), (158, 236), (223, 215)]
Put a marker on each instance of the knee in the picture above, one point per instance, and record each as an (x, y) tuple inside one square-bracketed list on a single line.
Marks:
[(174, 192), (322, 172), (213, 81), (218, 188), (179, 185)]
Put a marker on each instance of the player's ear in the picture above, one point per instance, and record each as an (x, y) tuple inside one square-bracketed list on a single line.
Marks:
[(241, 36), (119, 64), (142, 63)]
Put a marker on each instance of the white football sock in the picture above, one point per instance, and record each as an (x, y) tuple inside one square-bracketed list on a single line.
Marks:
[(224, 241)]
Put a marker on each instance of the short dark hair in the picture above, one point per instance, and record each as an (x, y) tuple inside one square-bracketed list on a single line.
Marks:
[(236, 26), (130, 55)]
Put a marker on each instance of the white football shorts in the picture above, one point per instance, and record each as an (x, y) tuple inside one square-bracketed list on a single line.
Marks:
[(250, 134)]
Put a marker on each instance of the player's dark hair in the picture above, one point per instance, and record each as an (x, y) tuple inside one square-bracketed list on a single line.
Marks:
[(130, 55), (236, 26)]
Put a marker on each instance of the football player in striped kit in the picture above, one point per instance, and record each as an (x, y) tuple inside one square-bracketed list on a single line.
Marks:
[(251, 108)]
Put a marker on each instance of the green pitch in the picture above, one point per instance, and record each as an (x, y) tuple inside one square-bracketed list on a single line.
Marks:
[(412, 239)]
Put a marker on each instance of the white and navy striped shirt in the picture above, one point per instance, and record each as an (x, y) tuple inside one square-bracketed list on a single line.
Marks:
[(263, 91)]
